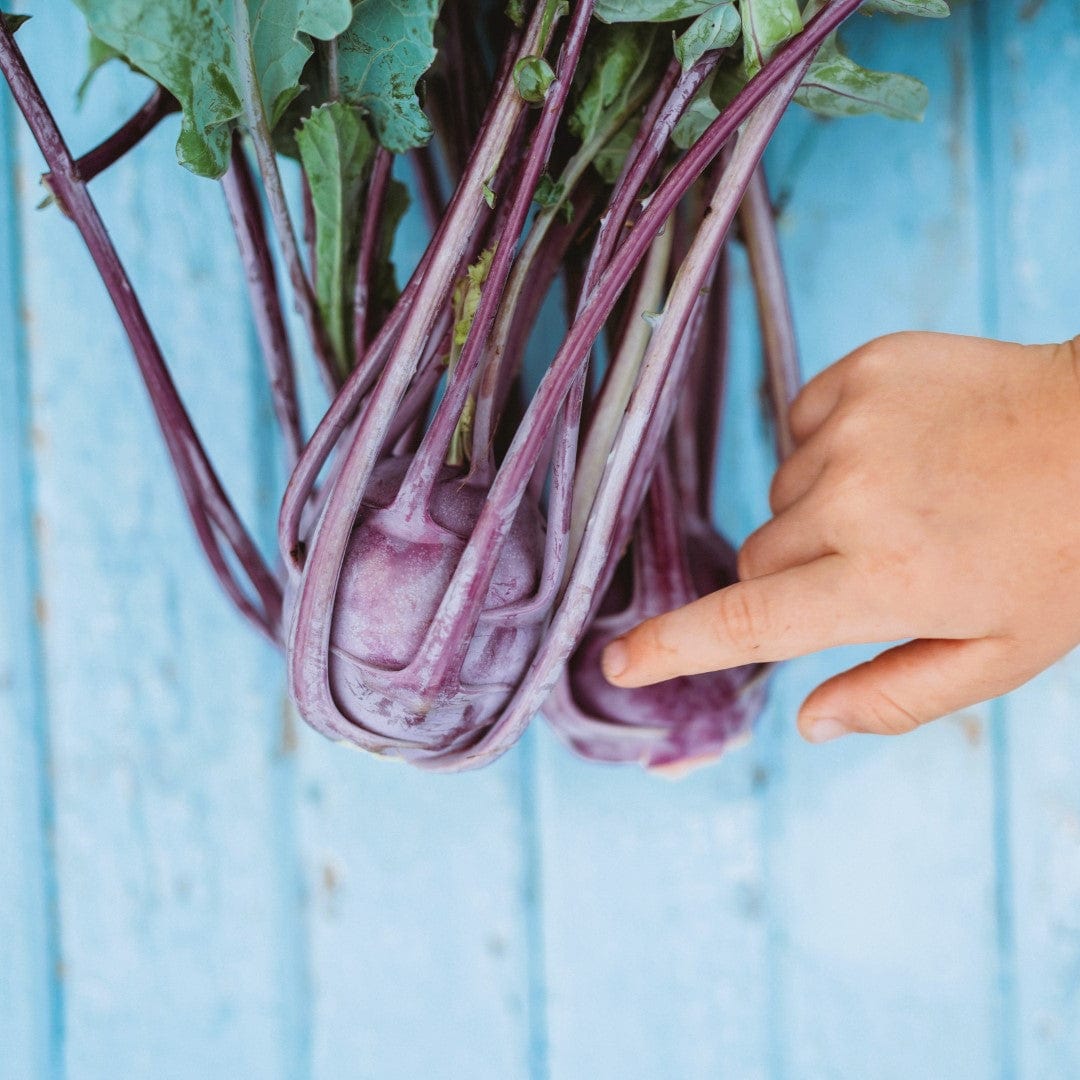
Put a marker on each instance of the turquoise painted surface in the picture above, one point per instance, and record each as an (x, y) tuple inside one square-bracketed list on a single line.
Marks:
[(193, 885)]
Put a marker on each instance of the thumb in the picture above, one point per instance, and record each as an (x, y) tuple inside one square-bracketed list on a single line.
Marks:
[(910, 685)]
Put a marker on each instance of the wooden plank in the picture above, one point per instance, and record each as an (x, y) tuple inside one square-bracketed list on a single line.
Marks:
[(1027, 54), (31, 1002), (878, 853), (657, 945), (420, 918), (181, 929)]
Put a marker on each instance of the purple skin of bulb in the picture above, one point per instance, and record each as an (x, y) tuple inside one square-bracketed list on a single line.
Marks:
[(674, 726), (395, 572)]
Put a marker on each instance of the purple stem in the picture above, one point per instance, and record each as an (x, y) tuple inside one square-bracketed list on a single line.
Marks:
[(307, 224), (416, 487), (647, 402), (369, 242), (460, 608), (648, 146), (661, 563), (774, 307), (344, 405), (207, 503), (156, 107), (337, 418), (309, 644), (246, 212)]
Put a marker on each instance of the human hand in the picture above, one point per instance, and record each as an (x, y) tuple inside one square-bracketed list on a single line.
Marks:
[(934, 494)]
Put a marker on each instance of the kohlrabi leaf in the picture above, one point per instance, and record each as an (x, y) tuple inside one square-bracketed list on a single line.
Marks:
[(609, 161), (381, 57), (532, 77), (204, 52), (12, 22), (549, 191), (930, 9), (617, 59), (700, 113), (836, 86), (654, 11), (716, 28), (467, 294), (336, 149), (766, 25)]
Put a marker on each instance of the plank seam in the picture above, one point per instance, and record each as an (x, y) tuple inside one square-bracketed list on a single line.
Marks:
[(26, 616), (986, 116), (539, 1065), (296, 972)]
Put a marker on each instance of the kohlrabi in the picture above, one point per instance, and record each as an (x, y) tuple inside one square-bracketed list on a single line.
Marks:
[(455, 538)]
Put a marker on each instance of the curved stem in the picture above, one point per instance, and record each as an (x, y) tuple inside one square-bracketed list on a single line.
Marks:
[(475, 566), (572, 173), (245, 211), (369, 242), (157, 106), (778, 340), (259, 130), (619, 380), (309, 644), (207, 503), (416, 487)]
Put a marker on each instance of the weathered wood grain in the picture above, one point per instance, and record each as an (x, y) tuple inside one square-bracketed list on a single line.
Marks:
[(31, 999), (1031, 220), (192, 883), (879, 853), (179, 911)]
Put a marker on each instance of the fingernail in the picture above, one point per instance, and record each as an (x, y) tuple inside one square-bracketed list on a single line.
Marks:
[(615, 661), (825, 729)]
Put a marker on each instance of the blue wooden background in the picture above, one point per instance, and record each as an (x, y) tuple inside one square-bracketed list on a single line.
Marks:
[(192, 884)]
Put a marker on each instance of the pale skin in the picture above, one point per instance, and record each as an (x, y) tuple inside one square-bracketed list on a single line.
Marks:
[(933, 498)]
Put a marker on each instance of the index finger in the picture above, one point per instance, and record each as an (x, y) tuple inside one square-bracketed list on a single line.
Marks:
[(793, 612)]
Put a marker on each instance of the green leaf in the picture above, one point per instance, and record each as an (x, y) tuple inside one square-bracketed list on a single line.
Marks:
[(617, 59), (650, 11), (699, 114), (714, 29), (532, 77), (12, 22), (198, 50), (928, 9), (515, 12), (336, 150), (836, 86), (549, 192), (467, 293), (381, 57), (609, 161), (767, 24)]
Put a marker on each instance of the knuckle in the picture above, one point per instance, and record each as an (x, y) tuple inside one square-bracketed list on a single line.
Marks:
[(778, 489), (887, 715), (745, 561), (880, 352), (741, 619)]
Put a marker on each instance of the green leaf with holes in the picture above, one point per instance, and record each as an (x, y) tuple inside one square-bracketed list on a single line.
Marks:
[(209, 54), (836, 86)]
